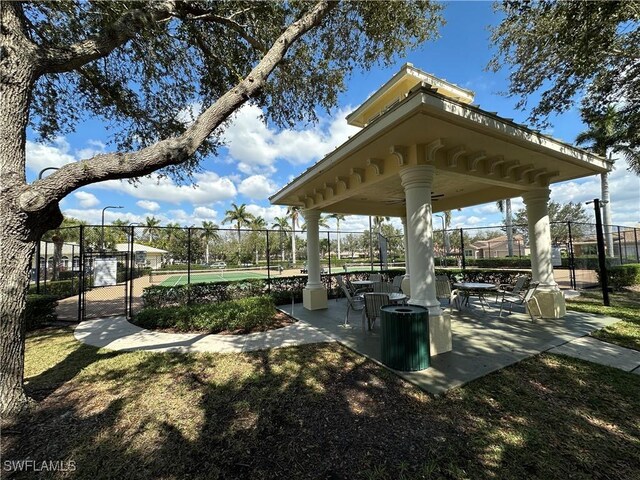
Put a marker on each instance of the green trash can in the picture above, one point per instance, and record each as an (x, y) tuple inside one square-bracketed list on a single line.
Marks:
[(405, 337)]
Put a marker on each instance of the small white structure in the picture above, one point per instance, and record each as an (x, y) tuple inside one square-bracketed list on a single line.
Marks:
[(422, 137), (153, 256)]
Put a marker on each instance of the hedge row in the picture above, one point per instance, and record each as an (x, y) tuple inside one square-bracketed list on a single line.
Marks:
[(284, 290), (620, 276), (240, 315), (40, 309)]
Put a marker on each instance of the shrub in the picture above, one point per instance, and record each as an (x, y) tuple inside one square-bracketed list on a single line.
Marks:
[(40, 309), (500, 262), (237, 315), (620, 276), (59, 288)]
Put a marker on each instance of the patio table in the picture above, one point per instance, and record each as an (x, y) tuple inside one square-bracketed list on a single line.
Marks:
[(397, 297), (368, 284), (478, 289)]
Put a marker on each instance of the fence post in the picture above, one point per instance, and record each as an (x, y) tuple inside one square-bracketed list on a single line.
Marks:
[(38, 266), (635, 237), (329, 248), (268, 265), (572, 266), (601, 253), (80, 272), (370, 244), (46, 264), (188, 255), (131, 271), (620, 246), (462, 248)]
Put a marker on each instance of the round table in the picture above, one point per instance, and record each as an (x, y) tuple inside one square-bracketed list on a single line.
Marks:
[(397, 297), (363, 283), (475, 288)]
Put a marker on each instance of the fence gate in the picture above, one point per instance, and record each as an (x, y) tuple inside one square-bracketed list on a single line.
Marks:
[(106, 287)]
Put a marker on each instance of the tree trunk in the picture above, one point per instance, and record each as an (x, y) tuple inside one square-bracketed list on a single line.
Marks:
[(16, 264), (206, 253), (293, 244), (606, 213), (509, 223)]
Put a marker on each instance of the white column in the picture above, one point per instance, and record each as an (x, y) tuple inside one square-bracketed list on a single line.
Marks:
[(549, 296), (406, 244), (536, 202), (314, 295), (417, 182)]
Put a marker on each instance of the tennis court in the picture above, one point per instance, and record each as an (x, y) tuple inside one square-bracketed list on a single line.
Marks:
[(210, 277)]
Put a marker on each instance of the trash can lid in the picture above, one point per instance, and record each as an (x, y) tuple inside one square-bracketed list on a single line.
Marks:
[(404, 309)]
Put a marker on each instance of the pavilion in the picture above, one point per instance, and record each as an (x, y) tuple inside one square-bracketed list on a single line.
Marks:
[(424, 148)]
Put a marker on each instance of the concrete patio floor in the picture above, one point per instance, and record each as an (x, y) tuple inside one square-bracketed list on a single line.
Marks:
[(482, 342)]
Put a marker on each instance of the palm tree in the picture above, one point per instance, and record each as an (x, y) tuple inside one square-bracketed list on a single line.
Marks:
[(257, 223), (282, 224), (602, 138), (293, 213), (505, 208), (59, 236), (378, 221), (151, 230), (209, 232), (239, 215), (447, 224), (337, 217)]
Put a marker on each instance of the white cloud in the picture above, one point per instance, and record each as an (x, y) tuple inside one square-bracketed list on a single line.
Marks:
[(256, 147), (93, 216), (210, 188), (40, 156), (268, 213), (148, 205), (86, 199), (257, 187)]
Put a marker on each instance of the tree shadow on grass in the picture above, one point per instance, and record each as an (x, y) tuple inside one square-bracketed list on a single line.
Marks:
[(321, 411)]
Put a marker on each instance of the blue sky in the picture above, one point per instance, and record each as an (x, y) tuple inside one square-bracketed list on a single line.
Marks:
[(259, 159)]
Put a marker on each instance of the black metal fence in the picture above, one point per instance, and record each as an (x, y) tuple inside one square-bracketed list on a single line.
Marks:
[(103, 270)]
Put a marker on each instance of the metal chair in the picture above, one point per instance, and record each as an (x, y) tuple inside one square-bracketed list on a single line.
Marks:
[(397, 283), (375, 277), (522, 298), (443, 289), (373, 302), (514, 288), (383, 287), (355, 303)]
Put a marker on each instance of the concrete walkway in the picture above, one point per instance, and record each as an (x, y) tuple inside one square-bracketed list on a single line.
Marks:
[(116, 333), (597, 351)]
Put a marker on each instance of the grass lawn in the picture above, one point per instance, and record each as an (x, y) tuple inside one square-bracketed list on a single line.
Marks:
[(318, 411), (624, 305)]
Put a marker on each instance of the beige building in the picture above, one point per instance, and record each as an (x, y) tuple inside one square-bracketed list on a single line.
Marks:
[(422, 137), (497, 247)]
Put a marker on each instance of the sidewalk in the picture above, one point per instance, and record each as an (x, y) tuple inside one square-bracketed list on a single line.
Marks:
[(116, 333), (597, 351)]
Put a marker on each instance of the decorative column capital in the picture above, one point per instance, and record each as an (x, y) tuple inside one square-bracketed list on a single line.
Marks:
[(311, 215), (534, 197), (418, 176)]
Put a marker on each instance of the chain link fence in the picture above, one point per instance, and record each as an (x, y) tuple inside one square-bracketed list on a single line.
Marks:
[(99, 271)]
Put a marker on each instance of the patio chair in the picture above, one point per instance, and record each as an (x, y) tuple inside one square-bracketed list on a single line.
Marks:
[(373, 302), (397, 283), (522, 298), (443, 289), (355, 303), (375, 277), (383, 287), (514, 288)]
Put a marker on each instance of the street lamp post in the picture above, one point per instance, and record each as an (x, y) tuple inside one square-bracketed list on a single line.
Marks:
[(102, 226)]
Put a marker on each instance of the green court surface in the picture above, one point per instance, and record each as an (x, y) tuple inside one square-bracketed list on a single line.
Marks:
[(210, 277)]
